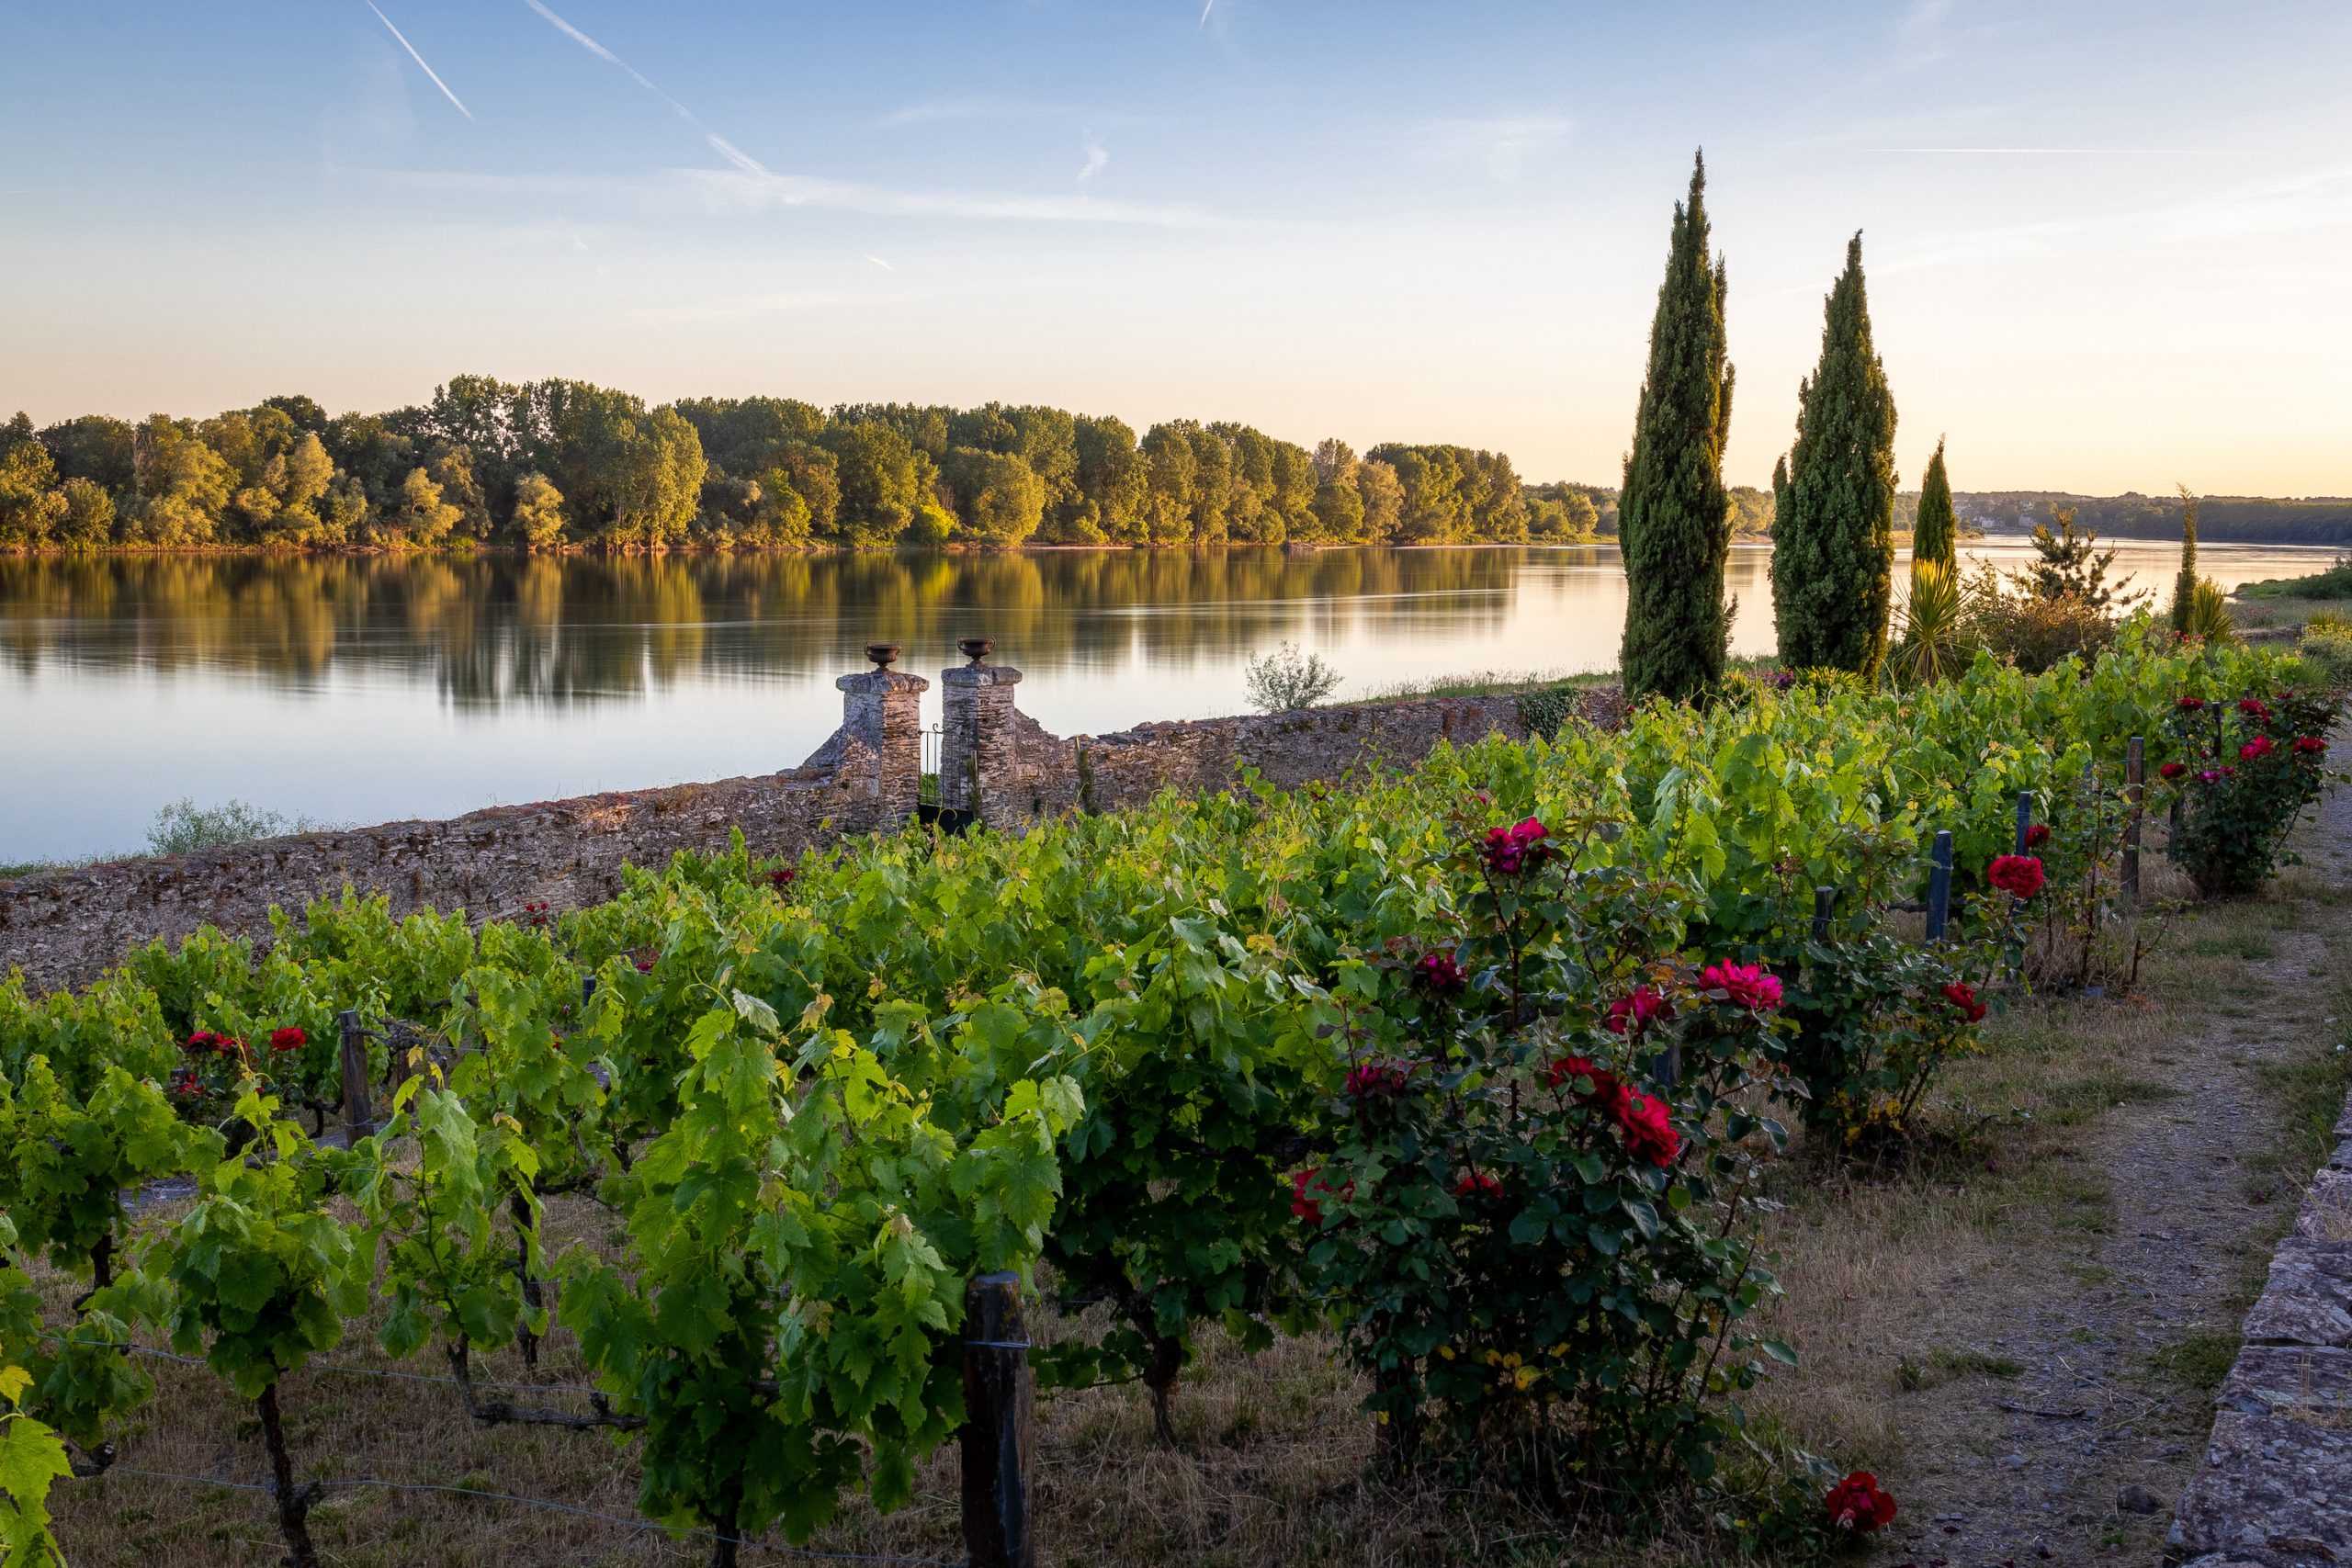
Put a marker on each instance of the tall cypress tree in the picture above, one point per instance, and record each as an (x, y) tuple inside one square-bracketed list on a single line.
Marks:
[(2184, 587), (1833, 522), (1674, 514), (1935, 537)]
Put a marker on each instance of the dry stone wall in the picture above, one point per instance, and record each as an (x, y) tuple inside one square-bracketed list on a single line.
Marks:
[(2276, 1491), (65, 927)]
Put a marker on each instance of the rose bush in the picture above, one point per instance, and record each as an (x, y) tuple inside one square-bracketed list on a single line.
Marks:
[(2232, 817)]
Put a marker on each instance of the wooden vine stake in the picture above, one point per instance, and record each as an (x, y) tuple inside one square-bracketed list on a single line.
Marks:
[(2135, 792), (1000, 1425), (359, 1119)]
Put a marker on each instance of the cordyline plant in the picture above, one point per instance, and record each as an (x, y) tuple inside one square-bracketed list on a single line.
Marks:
[(1533, 1228), (2245, 772)]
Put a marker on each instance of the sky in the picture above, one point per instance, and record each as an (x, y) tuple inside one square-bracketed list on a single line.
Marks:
[(2106, 243)]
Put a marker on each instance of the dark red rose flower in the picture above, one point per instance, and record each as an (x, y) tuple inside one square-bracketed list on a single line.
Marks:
[(202, 1040), (1963, 995), (1744, 985), (1376, 1080), (2255, 708), (1649, 1134), (2020, 876), (1510, 851), (1438, 972), (2310, 745), (1478, 1183), (2228, 773), (288, 1039), (645, 966), (2190, 704), (2173, 770), (2256, 750), (2037, 835), (1636, 1012), (1308, 1191), (1858, 1503), (781, 878), (534, 915)]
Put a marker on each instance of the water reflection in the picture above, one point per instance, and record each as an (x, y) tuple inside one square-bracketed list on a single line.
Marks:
[(365, 689)]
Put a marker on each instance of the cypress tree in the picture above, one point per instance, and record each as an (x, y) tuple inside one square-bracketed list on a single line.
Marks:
[(1833, 523), (2184, 587), (1935, 537), (1674, 513)]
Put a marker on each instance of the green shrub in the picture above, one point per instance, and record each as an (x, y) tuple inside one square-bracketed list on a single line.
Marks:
[(2245, 772)]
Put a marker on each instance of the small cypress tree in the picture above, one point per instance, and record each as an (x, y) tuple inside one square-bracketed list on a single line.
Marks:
[(1674, 514), (1935, 537), (2184, 587), (1833, 523)]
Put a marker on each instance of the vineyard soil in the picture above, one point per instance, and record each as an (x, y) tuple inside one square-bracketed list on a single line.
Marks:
[(2011, 1333)]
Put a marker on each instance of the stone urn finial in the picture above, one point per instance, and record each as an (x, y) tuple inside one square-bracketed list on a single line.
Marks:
[(975, 647), (883, 654)]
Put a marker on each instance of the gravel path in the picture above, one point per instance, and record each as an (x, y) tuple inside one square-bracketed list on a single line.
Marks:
[(2080, 1457)]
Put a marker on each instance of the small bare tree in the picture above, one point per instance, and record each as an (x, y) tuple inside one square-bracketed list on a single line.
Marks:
[(1287, 678)]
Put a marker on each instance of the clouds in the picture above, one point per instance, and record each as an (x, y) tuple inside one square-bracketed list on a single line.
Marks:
[(1502, 145), (1097, 155)]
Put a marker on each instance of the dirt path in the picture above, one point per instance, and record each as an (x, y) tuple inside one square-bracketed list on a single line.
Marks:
[(2093, 1351)]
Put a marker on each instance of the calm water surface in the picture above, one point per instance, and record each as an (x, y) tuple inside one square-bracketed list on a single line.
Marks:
[(366, 690)]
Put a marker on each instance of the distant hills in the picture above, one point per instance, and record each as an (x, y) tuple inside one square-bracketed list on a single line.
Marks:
[(2239, 519)]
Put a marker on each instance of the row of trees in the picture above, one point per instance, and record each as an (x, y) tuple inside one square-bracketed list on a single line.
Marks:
[(563, 463), (1834, 511)]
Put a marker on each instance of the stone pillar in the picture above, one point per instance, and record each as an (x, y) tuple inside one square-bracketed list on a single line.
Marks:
[(975, 745), (882, 710)]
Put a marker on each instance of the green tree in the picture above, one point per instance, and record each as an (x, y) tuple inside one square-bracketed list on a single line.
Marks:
[(883, 478), (1833, 523), (30, 504), (1674, 516), (2184, 586), (88, 522), (94, 448), (1936, 536), (999, 497), (419, 518), (183, 484), (1169, 465), (1108, 482), (539, 511), (1383, 494)]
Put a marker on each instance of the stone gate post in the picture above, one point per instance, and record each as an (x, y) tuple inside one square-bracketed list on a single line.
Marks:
[(976, 743), (882, 710)]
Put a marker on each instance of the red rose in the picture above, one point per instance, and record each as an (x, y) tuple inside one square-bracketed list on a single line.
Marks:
[(1376, 1080), (2018, 875), (2310, 745), (2256, 750), (288, 1040), (1438, 972), (1636, 1012), (645, 966), (1858, 1504), (1311, 1178), (2190, 704), (1963, 995), (781, 878), (202, 1040), (1648, 1134), (1744, 985), (1510, 851), (2254, 708), (2173, 770), (1478, 1183), (2037, 835)]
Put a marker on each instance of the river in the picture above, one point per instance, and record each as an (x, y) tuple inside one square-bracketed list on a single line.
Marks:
[(369, 689)]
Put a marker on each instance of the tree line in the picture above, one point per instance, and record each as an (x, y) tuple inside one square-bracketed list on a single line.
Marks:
[(560, 463)]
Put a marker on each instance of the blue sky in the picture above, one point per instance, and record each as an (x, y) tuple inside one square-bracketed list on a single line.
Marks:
[(2106, 241)]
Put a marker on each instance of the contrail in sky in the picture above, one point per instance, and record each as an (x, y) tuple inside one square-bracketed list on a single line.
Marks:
[(719, 144), (1205, 8), (420, 60), (877, 261)]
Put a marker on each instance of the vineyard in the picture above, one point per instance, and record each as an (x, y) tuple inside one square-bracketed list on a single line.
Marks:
[(1477, 1068)]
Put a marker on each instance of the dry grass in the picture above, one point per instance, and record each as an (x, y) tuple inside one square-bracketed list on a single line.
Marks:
[(1273, 1468)]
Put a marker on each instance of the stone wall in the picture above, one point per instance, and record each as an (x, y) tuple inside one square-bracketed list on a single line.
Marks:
[(2276, 1491), (64, 928)]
